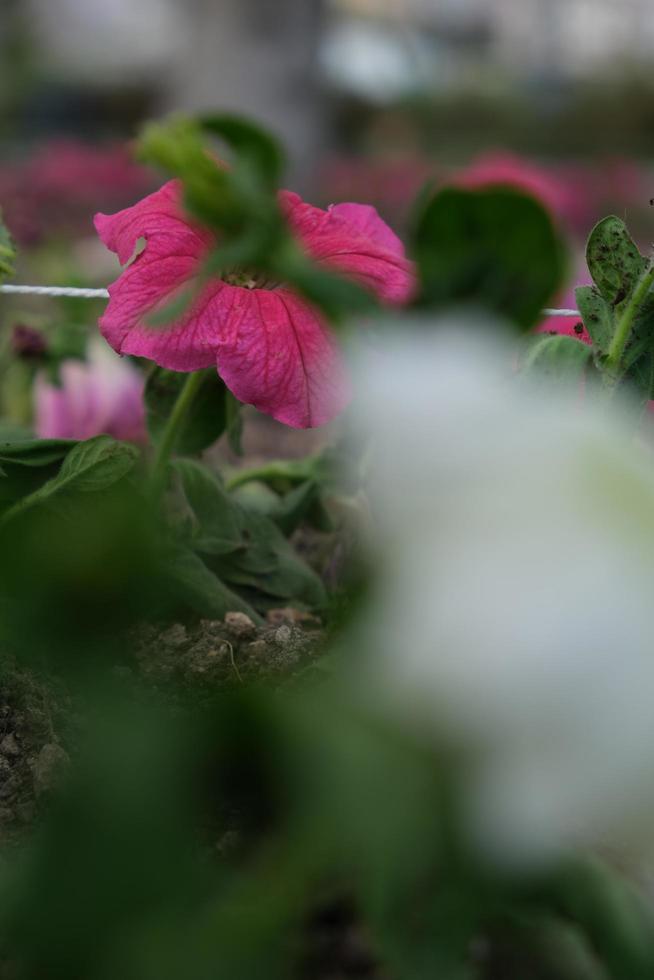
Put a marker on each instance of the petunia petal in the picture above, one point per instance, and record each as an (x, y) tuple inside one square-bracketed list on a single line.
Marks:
[(278, 356), (158, 215), (366, 220), (354, 240), (173, 252)]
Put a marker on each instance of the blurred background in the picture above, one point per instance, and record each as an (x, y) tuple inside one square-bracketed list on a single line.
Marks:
[(372, 96)]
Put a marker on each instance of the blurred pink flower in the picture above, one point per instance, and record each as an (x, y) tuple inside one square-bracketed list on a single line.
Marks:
[(57, 191), (391, 185), (272, 348), (103, 395)]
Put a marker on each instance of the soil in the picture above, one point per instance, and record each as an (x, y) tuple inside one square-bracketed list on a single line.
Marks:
[(216, 653), (33, 722), (36, 717), (37, 720)]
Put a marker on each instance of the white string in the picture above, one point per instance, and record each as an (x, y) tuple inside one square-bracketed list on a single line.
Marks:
[(104, 294), (56, 291)]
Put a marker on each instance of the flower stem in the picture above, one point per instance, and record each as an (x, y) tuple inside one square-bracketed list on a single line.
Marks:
[(172, 430), (622, 335)]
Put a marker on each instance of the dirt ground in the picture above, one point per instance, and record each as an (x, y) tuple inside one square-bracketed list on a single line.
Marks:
[(37, 721)]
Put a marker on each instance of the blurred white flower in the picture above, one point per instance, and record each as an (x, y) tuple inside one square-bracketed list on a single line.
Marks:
[(514, 608)]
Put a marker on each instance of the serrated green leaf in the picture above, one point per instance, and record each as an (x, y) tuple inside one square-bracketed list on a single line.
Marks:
[(495, 248), (614, 261), (597, 315), (95, 464)]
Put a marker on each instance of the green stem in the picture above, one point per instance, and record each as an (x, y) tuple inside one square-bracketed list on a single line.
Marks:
[(172, 430), (622, 335), (241, 477), (294, 471)]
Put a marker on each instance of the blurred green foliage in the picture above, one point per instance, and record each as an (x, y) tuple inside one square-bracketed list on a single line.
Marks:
[(496, 249)]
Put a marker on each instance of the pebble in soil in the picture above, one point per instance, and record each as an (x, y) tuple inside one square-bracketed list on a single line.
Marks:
[(216, 653)]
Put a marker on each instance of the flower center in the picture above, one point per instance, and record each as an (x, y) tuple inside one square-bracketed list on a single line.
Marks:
[(247, 279)]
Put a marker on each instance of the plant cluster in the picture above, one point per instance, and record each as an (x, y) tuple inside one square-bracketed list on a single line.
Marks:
[(199, 827)]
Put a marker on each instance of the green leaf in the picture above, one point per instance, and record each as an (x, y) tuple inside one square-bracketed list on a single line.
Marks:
[(614, 261), (597, 316), (639, 356), (35, 452), (26, 464), (215, 523), (205, 423), (618, 270), (561, 359), (95, 464), (301, 505), (243, 547), (200, 589), (89, 467), (295, 505), (495, 248), (7, 253), (269, 563), (251, 143)]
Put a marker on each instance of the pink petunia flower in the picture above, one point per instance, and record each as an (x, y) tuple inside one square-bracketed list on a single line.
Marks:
[(103, 395), (271, 347)]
